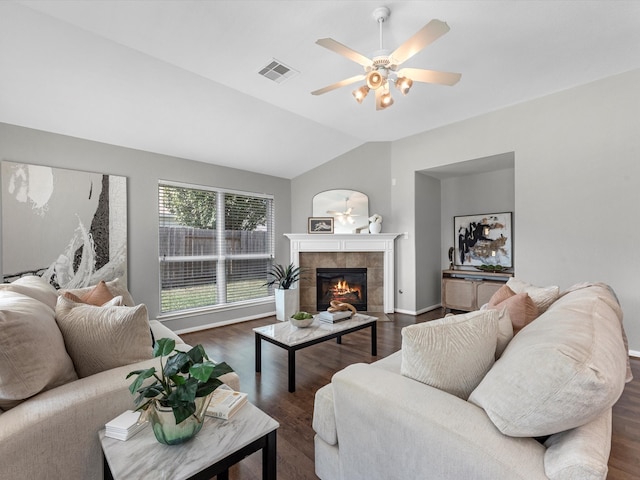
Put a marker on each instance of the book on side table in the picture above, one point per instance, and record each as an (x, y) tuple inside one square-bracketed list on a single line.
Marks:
[(225, 402)]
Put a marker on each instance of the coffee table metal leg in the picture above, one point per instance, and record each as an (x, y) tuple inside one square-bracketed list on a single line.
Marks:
[(258, 353), (269, 457), (374, 339), (223, 475), (292, 370), (339, 340)]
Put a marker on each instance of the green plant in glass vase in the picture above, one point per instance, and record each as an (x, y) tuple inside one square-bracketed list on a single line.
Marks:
[(181, 387)]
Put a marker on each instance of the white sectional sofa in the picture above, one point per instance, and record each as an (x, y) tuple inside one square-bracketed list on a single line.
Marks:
[(50, 418), (542, 410)]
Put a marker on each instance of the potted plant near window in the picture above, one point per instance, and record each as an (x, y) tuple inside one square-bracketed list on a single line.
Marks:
[(286, 298), (176, 400)]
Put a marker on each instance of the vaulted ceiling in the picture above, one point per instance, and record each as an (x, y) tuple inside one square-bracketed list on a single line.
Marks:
[(181, 77)]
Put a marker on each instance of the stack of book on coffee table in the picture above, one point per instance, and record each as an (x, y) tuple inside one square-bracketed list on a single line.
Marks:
[(333, 317)]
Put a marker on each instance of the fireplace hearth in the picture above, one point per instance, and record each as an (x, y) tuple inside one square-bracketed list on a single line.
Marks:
[(348, 285)]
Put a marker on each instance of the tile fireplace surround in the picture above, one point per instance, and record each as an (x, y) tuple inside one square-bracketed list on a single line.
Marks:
[(375, 252)]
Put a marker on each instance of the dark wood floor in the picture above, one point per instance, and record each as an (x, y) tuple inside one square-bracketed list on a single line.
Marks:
[(315, 365)]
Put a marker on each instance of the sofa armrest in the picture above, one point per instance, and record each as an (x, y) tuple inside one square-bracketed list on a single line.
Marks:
[(581, 452), (160, 331), (55, 433), (422, 432)]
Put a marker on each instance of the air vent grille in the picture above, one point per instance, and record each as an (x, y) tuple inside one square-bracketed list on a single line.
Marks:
[(277, 71)]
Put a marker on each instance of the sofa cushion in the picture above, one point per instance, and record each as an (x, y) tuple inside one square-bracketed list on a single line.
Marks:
[(100, 338), (522, 310), (560, 372), (543, 297), (34, 287), (452, 353), (116, 287), (32, 352)]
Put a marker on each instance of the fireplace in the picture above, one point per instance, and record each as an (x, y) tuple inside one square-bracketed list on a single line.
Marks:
[(347, 285)]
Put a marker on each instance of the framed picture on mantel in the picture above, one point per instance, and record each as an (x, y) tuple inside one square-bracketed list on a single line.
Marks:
[(320, 225), (484, 239)]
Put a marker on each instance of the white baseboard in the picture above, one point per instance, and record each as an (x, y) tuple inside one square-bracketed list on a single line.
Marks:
[(634, 353), (418, 312), (223, 323)]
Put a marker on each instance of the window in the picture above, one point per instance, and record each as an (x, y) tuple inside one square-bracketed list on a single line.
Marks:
[(215, 246)]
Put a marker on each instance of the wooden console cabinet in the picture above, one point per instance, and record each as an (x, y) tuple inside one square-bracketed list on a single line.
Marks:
[(468, 290)]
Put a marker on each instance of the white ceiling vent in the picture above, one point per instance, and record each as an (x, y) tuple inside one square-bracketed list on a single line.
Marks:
[(278, 71)]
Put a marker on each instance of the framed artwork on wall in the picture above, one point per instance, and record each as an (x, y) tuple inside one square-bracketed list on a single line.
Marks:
[(67, 226), (320, 225), (483, 240)]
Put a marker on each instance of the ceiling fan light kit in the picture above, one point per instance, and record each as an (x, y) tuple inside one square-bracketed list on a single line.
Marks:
[(382, 69)]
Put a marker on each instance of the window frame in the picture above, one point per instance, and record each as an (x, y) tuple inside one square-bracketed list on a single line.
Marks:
[(220, 256)]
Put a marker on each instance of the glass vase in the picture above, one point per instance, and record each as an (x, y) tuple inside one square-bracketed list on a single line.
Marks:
[(164, 426)]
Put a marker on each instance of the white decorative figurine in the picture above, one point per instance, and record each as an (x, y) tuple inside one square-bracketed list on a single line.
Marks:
[(375, 225)]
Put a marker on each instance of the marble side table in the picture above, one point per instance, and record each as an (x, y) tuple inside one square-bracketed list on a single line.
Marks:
[(219, 445)]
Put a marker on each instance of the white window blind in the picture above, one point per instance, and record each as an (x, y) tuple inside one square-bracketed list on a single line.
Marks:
[(216, 246)]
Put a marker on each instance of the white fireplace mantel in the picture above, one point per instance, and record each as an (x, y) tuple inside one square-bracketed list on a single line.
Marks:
[(381, 242)]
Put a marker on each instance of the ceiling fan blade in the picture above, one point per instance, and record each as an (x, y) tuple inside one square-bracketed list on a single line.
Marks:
[(341, 83), (423, 37), (345, 51), (430, 76)]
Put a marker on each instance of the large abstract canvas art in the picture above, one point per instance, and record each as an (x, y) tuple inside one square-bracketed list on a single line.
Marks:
[(67, 226), (483, 240)]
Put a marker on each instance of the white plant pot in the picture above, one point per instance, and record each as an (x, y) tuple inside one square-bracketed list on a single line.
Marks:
[(286, 303)]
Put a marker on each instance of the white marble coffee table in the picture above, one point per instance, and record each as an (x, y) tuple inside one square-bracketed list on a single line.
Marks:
[(291, 338), (219, 445)]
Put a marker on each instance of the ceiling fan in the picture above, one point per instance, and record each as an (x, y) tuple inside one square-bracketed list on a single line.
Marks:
[(382, 69)]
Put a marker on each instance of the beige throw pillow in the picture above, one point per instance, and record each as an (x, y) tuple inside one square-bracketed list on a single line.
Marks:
[(32, 352), (453, 353), (505, 331), (34, 287), (101, 338)]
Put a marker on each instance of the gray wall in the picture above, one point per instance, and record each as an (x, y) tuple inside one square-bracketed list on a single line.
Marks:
[(490, 192), (577, 178), (428, 208), (366, 169), (143, 170)]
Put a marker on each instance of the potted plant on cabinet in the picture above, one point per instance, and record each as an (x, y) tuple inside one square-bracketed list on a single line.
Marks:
[(286, 298), (176, 400)]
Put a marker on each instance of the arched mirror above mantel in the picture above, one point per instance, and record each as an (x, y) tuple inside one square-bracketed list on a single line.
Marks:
[(349, 208)]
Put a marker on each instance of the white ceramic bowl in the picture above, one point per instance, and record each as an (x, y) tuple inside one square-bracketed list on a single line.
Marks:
[(301, 323)]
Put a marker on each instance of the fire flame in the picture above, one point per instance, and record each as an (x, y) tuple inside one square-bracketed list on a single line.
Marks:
[(343, 288)]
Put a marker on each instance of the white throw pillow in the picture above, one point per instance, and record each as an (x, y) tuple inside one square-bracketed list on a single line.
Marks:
[(453, 353), (32, 353), (543, 297), (559, 372), (101, 338)]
